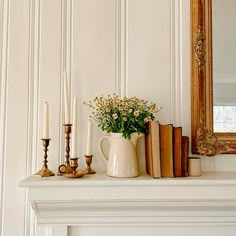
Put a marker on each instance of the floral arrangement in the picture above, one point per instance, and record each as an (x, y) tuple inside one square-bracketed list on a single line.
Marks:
[(122, 115)]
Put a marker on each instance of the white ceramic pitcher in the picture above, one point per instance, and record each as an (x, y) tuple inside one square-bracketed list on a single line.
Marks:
[(122, 160)]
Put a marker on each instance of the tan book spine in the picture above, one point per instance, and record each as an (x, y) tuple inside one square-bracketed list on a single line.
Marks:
[(152, 150), (156, 150)]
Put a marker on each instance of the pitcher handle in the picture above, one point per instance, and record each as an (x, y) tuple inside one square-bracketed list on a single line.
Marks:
[(100, 147)]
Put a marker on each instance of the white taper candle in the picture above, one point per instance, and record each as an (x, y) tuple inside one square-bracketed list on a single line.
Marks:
[(46, 122), (74, 130), (89, 138), (66, 101)]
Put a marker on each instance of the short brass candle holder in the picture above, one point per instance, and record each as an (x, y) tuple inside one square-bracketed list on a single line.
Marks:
[(45, 172), (74, 173), (89, 159), (66, 168)]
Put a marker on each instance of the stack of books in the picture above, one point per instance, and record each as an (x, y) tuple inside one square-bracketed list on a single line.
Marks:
[(166, 151)]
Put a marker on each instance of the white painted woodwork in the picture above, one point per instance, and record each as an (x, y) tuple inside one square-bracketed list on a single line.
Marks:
[(112, 205), (131, 47)]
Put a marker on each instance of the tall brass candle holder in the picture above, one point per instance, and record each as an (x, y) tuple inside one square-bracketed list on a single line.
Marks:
[(66, 168), (45, 172), (89, 170), (74, 173)]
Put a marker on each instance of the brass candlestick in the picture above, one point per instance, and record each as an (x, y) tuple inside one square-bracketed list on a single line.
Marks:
[(74, 173), (66, 168), (89, 170), (45, 172)]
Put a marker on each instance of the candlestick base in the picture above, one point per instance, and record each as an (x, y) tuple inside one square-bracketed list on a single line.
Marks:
[(89, 170), (45, 172), (77, 174)]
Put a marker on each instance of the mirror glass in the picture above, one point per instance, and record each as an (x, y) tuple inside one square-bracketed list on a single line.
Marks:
[(224, 65)]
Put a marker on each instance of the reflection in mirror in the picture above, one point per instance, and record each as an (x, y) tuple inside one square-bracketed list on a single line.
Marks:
[(224, 65)]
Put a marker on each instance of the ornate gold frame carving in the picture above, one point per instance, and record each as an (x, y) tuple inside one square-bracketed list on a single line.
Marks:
[(204, 140)]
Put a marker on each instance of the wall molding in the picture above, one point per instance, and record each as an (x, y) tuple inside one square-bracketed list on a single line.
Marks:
[(121, 44), (181, 61), (176, 62), (4, 44), (33, 105)]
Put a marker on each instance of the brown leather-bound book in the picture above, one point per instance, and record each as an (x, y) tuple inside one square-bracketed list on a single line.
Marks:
[(185, 149), (177, 151), (166, 150), (152, 149)]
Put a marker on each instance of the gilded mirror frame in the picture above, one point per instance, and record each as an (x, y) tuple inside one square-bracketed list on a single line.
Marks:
[(204, 140)]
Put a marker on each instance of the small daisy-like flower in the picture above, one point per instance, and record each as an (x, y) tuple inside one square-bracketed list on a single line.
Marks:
[(115, 116), (130, 110), (125, 119), (136, 113)]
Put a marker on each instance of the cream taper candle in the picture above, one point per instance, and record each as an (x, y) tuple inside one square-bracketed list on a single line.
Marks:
[(66, 101), (89, 138), (74, 130), (46, 122)]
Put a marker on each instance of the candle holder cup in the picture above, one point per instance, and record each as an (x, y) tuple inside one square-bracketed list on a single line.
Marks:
[(45, 172), (74, 173), (66, 168), (89, 159)]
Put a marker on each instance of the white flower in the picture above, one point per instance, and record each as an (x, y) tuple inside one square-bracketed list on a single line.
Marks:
[(125, 119), (115, 116), (136, 113), (130, 110)]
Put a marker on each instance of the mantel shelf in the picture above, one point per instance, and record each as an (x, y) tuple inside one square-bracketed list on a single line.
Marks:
[(101, 179)]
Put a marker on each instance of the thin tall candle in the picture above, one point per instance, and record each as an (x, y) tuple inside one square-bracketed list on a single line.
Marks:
[(89, 138), (46, 122), (66, 101), (74, 130)]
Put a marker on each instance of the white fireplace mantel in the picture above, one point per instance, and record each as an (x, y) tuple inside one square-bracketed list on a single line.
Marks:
[(209, 200)]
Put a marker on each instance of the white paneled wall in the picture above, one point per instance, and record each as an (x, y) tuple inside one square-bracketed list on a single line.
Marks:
[(131, 47), (93, 60)]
